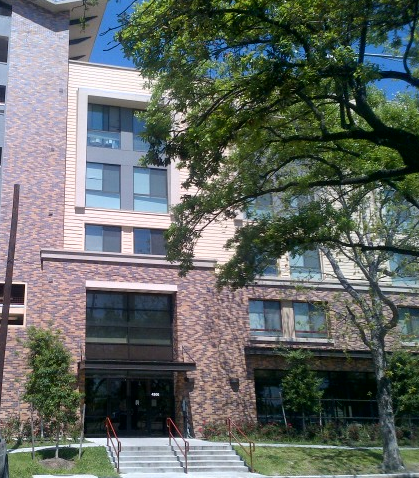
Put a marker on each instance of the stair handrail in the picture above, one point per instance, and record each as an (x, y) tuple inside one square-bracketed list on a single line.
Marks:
[(170, 423), (118, 448), (231, 425)]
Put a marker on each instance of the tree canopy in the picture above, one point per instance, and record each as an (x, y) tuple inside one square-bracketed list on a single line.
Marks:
[(267, 102), (246, 91)]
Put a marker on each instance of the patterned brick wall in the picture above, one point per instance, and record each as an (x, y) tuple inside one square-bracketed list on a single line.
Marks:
[(212, 326), (34, 157)]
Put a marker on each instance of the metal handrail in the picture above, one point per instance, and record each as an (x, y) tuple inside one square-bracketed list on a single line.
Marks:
[(170, 423), (117, 449), (231, 434)]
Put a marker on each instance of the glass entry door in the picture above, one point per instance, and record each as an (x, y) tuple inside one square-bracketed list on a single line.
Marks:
[(137, 407)]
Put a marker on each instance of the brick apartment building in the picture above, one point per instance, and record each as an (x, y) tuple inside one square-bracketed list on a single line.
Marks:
[(90, 257)]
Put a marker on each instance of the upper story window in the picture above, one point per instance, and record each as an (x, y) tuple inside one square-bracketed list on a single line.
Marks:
[(309, 320), (4, 48), (103, 238), (104, 126), (265, 317), (260, 206), (149, 241), (5, 10), (306, 265), (103, 186), (409, 323), (2, 94), (405, 269), (138, 127), (150, 190)]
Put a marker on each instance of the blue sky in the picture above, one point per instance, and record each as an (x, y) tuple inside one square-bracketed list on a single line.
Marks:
[(99, 53), (114, 56)]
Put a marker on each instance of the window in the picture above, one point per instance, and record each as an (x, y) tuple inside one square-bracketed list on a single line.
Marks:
[(405, 269), (138, 126), (4, 45), (5, 10), (260, 206), (103, 186), (104, 126), (2, 94), (309, 320), (306, 265), (271, 269), (128, 318), (150, 190), (149, 241), (265, 317), (409, 323), (17, 303), (103, 238)]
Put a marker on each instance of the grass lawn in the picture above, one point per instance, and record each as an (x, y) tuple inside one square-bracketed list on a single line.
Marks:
[(94, 461), (314, 461)]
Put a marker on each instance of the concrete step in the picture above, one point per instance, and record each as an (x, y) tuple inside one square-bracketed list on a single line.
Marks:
[(229, 459), (154, 459), (207, 458), (145, 448), (217, 469), (211, 452), (138, 469), (148, 464), (138, 455)]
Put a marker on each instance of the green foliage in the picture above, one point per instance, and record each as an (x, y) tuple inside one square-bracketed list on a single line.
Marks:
[(50, 385), (291, 461), (260, 96), (403, 373), (300, 385)]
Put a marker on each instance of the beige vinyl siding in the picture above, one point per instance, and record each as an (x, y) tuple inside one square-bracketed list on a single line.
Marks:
[(125, 80)]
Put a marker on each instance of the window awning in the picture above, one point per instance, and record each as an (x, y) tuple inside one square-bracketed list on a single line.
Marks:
[(119, 365)]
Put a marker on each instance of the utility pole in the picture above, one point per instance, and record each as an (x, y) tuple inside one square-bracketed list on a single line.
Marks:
[(8, 283)]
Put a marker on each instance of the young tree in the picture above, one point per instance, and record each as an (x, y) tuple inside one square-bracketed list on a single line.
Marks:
[(300, 386), (50, 386), (403, 373)]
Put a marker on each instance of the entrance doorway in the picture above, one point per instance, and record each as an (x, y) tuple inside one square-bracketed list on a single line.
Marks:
[(136, 406)]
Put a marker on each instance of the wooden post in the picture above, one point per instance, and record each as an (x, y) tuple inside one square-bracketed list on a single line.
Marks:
[(82, 428), (8, 283)]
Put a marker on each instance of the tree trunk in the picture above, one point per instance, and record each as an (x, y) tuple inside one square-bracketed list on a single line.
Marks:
[(392, 461), (58, 441)]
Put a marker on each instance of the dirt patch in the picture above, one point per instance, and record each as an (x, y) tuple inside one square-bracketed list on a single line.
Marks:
[(57, 463)]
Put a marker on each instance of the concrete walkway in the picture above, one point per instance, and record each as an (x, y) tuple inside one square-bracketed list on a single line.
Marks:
[(193, 441)]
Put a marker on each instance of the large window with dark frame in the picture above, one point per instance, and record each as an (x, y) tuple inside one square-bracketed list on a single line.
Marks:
[(128, 318)]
